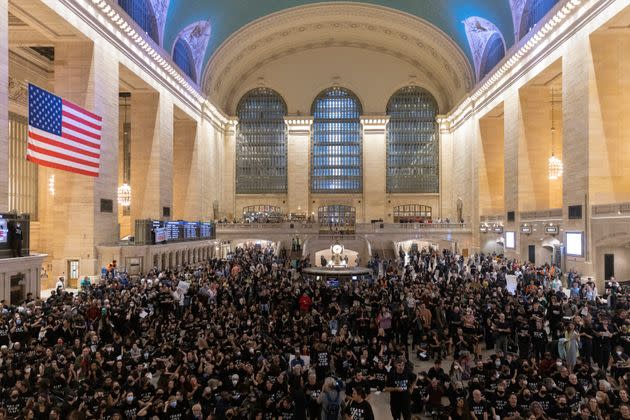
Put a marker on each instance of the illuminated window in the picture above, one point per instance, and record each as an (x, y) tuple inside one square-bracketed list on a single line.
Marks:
[(141, 12), (534, 11), (336, 142), (182, 56), (337, 215), (493, 54), (412, 142), (261, 143), (22, 173)]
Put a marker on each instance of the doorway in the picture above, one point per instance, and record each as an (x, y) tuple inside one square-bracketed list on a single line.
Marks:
[(531, 251), (73, 274), (17, 289), (609, 266)]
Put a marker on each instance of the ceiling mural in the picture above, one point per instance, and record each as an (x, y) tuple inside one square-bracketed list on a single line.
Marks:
[(197, 35), (479, 31), (227, 17)]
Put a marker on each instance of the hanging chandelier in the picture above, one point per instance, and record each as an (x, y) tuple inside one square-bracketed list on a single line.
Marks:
[(124, 195), (555, 167)]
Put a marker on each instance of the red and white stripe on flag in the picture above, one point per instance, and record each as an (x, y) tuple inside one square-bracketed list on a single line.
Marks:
[(62, 135)]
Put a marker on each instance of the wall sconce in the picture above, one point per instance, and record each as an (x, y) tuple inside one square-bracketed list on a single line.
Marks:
[(51, 185)]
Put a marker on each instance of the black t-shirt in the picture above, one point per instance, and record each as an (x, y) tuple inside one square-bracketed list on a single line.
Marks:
[(404, 381), (499, 402), (509, 411), (478, 408), (360, 411)]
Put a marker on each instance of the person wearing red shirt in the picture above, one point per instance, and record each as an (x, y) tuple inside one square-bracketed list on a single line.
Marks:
[(305, 303)]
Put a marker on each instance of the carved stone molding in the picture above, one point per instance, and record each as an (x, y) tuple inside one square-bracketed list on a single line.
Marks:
[(18, 92), (373, 27)]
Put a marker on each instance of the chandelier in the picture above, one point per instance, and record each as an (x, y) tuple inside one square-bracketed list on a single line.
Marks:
[(555, 167), (124, 195)]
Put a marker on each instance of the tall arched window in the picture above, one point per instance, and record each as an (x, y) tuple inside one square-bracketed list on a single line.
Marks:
[(261, 143), (182, 56), (493, 54), (336, 142), (413, 154), (534, 11), (141, 12)]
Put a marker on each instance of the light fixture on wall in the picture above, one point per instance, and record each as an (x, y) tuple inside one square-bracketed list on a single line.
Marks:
[(554, 165), (51, 185)]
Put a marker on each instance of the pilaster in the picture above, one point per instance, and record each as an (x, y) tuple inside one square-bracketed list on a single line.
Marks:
[(374, 166), (4, 105), (86, 75), (228, 170), (298, 188), (151, 154)]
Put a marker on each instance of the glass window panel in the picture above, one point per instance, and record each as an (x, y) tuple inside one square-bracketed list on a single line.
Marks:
[(182, 56), (23, 175), (142, 13), (336, 142), (261, 143), (412, 142)]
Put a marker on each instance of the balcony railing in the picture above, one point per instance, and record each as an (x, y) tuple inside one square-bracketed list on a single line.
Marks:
[(314, 228), (542, 214), (619, 209)]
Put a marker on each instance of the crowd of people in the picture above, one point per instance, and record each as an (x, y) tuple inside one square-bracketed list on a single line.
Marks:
[(247, 337)]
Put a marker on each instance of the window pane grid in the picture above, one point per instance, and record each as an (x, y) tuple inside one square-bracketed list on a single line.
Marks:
[(261, 143), (142, 13), (412, 142), (23, 175), (336, 143)]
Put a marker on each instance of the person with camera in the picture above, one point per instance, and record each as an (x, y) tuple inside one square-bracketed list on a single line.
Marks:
[(400, 385)]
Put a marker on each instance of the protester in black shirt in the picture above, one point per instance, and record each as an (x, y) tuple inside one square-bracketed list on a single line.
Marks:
[(359, 408), (400, 384)]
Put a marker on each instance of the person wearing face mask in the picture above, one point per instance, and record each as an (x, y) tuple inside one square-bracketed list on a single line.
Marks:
[(173, 410), (129, 406)]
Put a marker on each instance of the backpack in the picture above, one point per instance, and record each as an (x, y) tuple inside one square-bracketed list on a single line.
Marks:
[(332, 408)]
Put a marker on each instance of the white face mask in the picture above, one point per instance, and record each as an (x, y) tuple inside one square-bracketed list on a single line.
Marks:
[(234, 382), (619, 353)]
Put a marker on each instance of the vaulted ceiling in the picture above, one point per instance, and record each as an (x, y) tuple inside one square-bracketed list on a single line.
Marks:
[(227, 17)]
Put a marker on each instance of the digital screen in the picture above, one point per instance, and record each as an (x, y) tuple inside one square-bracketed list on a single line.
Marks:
[(173, 231), (334, 283), (190, 230), (4, 231), (574, 244), (205, 230), (510, 240)]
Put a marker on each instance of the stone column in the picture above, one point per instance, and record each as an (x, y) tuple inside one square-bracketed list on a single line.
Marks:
[(513, 126), (228, 171), (298, 170), (187, 179), (87, 75), (374, 167), (4, 105), (151, 154), (578, 87)]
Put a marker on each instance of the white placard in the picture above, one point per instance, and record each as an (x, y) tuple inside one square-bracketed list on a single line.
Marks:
[(574, 244), (510, 240)]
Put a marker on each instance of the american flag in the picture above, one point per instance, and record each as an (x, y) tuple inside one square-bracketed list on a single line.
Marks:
[(62, 135)]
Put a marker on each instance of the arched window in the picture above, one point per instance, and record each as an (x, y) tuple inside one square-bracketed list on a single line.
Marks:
[(413, 153), (336, 142), (494, 52), (534, 11), (141, 12), (182, 56), (261, 143)]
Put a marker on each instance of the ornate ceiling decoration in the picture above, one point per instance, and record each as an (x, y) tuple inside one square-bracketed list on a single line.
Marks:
[(375, 28)]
